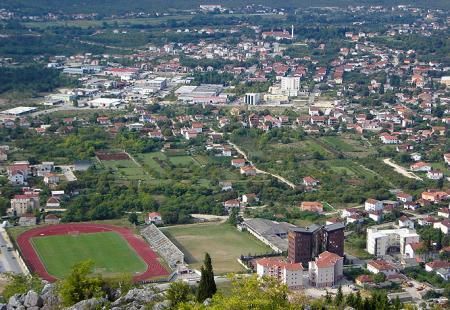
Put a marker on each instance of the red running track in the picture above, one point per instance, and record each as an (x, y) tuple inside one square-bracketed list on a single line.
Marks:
[(31, 257)]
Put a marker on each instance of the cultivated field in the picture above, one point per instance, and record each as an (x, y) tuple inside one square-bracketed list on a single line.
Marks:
[(109, 251), (223, 242)]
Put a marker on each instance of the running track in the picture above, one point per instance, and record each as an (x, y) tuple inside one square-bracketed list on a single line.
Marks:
[(31, 258)]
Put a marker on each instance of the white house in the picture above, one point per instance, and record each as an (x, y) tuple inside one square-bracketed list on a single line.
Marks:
[(403, 197), (444, 212), (435, 175), (405, 222), (444, 226), (373, 205)]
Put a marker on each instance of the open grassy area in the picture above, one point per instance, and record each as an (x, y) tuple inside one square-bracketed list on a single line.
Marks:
[(182, 160), (222, 241), (109, 251), (126, 169)]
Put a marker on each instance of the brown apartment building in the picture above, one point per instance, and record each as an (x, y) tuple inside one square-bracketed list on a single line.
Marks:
[(304, 244)]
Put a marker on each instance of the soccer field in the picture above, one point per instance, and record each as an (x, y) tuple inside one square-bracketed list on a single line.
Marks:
[(110, 252), (223, 242)]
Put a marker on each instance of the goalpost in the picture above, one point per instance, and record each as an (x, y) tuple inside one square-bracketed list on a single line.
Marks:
[(74, 233)]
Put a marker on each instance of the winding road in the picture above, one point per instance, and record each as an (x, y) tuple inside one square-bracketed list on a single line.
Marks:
[(279, 177)]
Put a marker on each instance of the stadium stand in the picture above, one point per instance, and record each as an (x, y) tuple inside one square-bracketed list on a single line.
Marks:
[(161, 244)]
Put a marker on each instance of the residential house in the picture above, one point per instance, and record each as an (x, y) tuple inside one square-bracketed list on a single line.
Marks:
[(312, 206), (381, 266), (51, 219), (238, 162), (420, 167), (434, 196), (232, 203), (404, 221), (435, 174), (444, 226), (376, 216), (155, 135), (225, 186), (444, 212), (403, 197), (53, 203), (248, 170), (249, 198), (435, 265), (310, 181), (154, 218), (51, 178), (426, 221), (411, 205), (373, 205)]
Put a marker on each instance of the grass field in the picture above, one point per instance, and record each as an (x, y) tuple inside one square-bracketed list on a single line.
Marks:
[(109, 251), (223, 242), (126, 169)]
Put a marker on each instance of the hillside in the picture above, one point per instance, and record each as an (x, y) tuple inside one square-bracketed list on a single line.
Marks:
[(122, 6)]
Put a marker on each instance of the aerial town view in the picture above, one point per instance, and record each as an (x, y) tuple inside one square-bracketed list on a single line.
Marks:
[(224, 154)]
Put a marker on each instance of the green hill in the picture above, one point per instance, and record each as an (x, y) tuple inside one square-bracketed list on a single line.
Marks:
[(108, 7)]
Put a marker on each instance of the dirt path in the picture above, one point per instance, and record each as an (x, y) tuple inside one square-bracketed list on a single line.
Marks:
[(401, 170), (279, 177)]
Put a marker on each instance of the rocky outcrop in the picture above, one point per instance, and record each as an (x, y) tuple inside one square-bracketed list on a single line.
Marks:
[(48, 299)]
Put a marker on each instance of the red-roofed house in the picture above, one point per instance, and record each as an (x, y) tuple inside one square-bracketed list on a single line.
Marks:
[(435, 265), (381, 266), (154, 218), (310, 181), (312, 206), (420, 166)]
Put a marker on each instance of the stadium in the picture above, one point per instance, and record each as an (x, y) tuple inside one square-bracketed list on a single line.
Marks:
[(51, 251)]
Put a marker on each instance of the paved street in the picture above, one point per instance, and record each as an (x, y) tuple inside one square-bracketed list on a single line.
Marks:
[(8, 259)]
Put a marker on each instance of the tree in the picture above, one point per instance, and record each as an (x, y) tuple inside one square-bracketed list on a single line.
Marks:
[(439, 240), (339, 297), (233, 219), (379, 277), (178, 292), (207, 286), (81, 284), (133, 218), (252, 293), (21, 284)]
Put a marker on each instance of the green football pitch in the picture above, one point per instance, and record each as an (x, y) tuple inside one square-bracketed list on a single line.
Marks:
[(110, 252)]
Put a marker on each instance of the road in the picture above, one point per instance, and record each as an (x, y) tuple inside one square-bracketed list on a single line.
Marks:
[(8, 259), (279, 177), (401, 170)]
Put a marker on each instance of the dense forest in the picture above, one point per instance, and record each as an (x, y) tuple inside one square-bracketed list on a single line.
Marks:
[(32, 80)]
